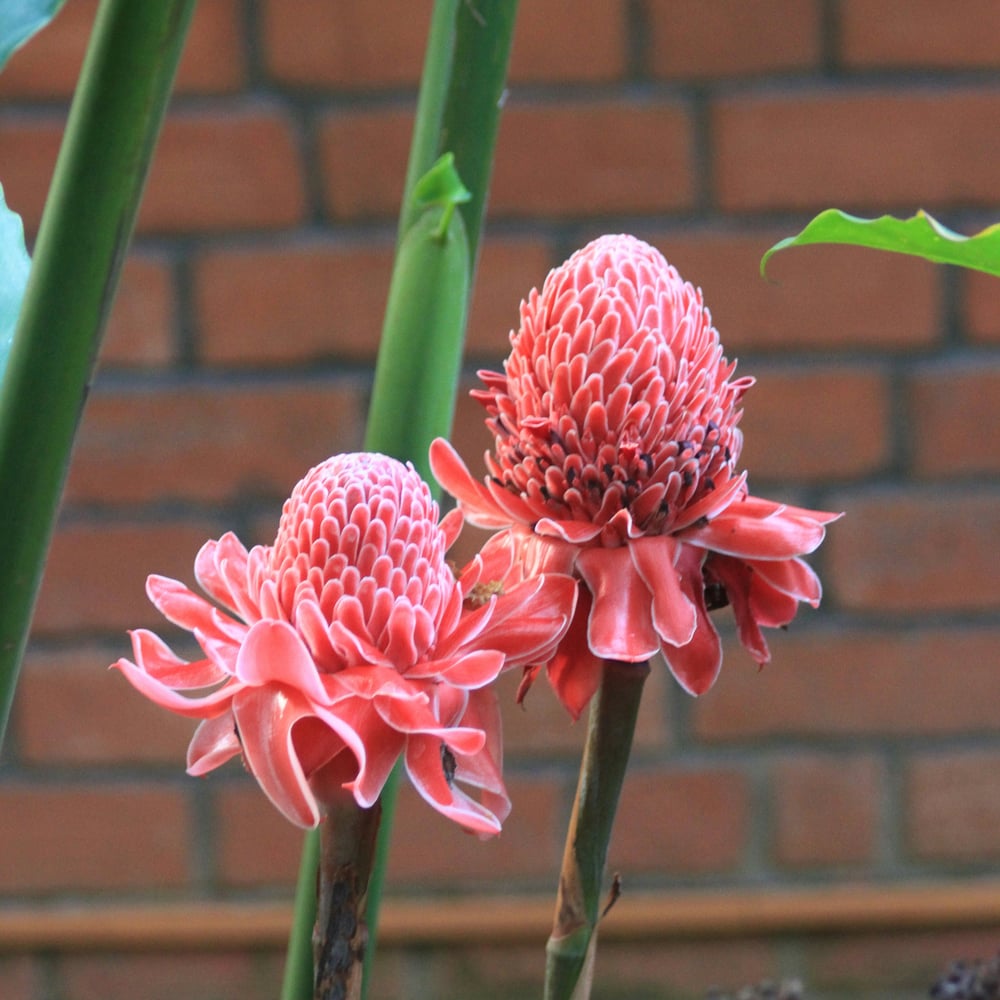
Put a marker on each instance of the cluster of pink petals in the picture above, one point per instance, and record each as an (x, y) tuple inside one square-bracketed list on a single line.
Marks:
[(616, 444), (348, 642)]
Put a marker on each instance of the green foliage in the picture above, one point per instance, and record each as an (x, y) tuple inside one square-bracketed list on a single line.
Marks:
[(920, 236), (14, 266), (20, 19)]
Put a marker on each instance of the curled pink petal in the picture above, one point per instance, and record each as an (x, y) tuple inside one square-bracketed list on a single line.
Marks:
[(355, 642), (616, 459)]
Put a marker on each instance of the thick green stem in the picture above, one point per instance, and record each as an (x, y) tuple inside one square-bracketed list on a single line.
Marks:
[(458, 111), (86, 226), (611, 725)]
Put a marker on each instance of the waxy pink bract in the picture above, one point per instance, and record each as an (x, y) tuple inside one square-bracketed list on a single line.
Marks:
[(349, 641), (616, 446)]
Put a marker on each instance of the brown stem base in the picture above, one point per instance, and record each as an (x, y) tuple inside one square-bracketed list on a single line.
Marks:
[(347, 847)]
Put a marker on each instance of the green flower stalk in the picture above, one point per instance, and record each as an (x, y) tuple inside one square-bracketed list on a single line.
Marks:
[(457, 112), (88, 220)]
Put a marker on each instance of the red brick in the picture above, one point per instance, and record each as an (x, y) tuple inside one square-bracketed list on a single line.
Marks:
[(98, 837), (688, 821), (309, 43), (273, 306), (609, 157), (980, 305), (693, 39), (140, 327), (816, 149), (430, 850), (225, 441), (814, 298), (898, 964), (541, 726), (20, 978), (593, 158), (829, 683), (119, 725), (28, 150), (48, 66), (826, 810), (235, 170), (954, 414), (624, 969), (509, 267), (901, 550), (193, 975), (255, 844), (569, 40), (918, 34), (815, 424), (96, 573), (953, 805)]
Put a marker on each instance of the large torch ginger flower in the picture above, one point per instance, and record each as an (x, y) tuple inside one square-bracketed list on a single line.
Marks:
[(348, 642), (615, 422)]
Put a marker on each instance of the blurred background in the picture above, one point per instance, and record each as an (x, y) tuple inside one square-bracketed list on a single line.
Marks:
[(834, 817)]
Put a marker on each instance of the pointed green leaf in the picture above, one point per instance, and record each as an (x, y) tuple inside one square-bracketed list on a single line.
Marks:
[(20, 19), (920, 236), (14, 266)]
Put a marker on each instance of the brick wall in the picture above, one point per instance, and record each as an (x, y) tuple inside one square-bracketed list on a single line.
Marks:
[(240, 353)]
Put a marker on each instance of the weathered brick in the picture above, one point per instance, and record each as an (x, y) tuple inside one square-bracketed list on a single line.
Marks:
[(48, 66), (815, 297), (274, 305), (309, 43), (871, 149), (225, 440), (981, 309), (429, 849), (96, 573), (609, 158), (119, 726), (235, 170), (691, 820), (20, 978), (692, 39), (815, 424), (96, 837), (255, 844), (916, 551), (140, 327), (826, 809), (28, 149), (954, 414), (953, 805), (312, 43), (569, 40), (917, 34), (222, 975), (830, 683)]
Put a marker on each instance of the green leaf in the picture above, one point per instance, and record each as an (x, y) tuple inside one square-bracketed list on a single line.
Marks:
[(14, 266), (20, 19), (920, 236)]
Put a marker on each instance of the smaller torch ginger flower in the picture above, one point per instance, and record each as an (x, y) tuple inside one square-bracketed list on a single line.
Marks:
[(616, 448), (348, 642)]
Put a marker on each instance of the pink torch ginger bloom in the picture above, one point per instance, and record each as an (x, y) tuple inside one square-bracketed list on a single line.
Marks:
[(348, 642), (615, 422)]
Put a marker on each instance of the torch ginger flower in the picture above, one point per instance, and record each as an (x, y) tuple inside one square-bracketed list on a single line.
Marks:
[(615, 422), (347, 642)]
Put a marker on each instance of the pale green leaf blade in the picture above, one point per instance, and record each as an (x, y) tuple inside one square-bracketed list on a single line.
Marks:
[(14, 267), (20, 19), (921, 236)]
